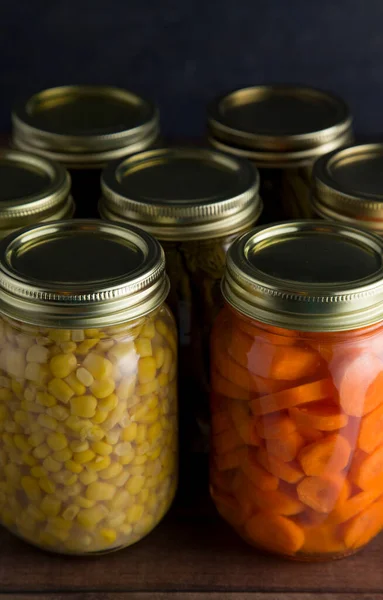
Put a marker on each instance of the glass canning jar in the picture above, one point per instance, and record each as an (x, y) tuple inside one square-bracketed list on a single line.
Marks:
[(297, 402), (33, 189), (282, 129), (84, 127), (88, 389), (195, 201), (347, 186)]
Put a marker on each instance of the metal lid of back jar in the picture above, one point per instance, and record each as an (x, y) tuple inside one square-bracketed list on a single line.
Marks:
[(348, 186), (84, 125), (32, 189), (81, 273), (307, 275), (278, 124), (182, 193)]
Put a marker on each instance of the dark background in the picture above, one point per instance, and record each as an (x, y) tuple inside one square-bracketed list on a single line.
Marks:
[(182, 53)]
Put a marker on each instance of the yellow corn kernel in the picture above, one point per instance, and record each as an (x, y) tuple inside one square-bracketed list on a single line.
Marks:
[(103, 389), (84, 377), (74, 423), (135, 484), (139, 460), (20, 417), (123, 352), (143, 496), (46, 399), (146, 369), (161, 328), (163, 379), (115, 417), (105, 345), (65, 478), (47, 485), (151, 416), (148, 330), (16, 387), (58, 412), (63, 455), (87, 477), (117, 520), (5, 395), (100, 416), (134, 513), (37, 373), (28, 459), (130, 432), (102, 448), (126, 387), (68, 347), (120, 501), (127, 459), (145, 525), (85, 346), (141, 434), (90, 517), (154, 432), (112, 471), (123, 449), (108, 535), (147, 388), (38, 354), (57, 441), (79, 445), (60, 390), (71, 512), (21, 443), (83, 406), (47, 422), (3, 412), (100, 491), (159, 356), (51, 465), (76, 385), (83, 502), (41, 451), (168, 360), (109, 403), (78, 335), (137, 470), (99, 463), (38, 471), (15, 362), (12, 473), (138, 411), (143, 347), (95, 434), (98, 366), (60, 335), (31, 488), (35, 513), (83, 457), (62, 365), (155, 454), (73, 467)]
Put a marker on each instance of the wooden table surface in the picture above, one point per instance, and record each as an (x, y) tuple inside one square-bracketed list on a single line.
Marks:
[(191, 555)]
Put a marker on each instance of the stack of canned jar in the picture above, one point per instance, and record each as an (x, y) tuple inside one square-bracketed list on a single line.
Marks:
[(89, 419)]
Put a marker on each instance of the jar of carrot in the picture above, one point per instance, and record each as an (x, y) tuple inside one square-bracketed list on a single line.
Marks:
[(297, 390)]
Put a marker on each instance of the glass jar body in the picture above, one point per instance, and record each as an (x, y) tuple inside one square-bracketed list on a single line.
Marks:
[(297, 442), (88, 443), (286, 193)]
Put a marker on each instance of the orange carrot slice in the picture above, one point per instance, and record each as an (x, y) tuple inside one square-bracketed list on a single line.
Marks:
[(220, 422), (366, 525), (229, 508), (221, 385), (323, 539), (319, 415), (320, 493), (226, 441), (230, 460), (275, 533), (329, 454), (287, 448), (261, 334), (367, 469), (359, 380), (309, 434), (301, 394), (354, 505), (274, 362), (371, 430), (220, 480), (275, 425), (259, 476), (244, 422), (289, 472)]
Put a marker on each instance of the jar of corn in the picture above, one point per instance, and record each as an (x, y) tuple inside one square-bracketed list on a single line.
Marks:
[(282, 129), (33, 189), (88, 392), (84, 127), (195, 201)]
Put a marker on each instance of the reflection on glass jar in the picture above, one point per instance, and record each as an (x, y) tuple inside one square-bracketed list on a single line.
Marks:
[(347, 186), (33, 189), (84, 128), (297, 412), (195, 201), (282, 130), (88, 416)]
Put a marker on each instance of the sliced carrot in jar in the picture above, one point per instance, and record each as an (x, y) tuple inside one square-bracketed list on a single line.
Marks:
[(259, 476), (301, 394), (359, 380), (220, 422), (353, 506), (323, 539), (286, 448), (230, 460), (273, 362), (229, 508), (289, 472), (321, 415), (275, 426), (258, 333), (367, 469), (220, 480), (320, 493), (244, 423), (226, 441), (309, 433), (328, 455), (275, 533), (221, 385), (371, 430), (366, 525)]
